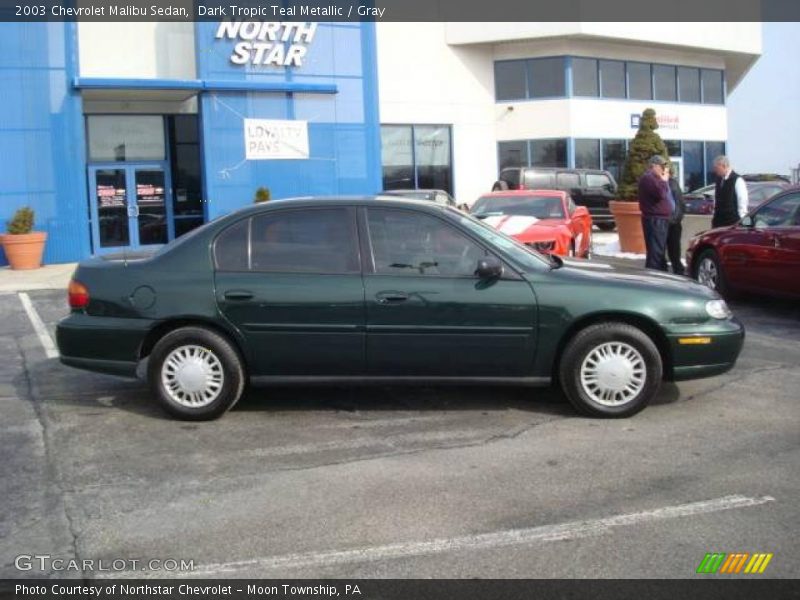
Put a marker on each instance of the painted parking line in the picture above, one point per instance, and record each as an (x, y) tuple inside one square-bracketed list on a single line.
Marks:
[(38, 326), (544, 533)]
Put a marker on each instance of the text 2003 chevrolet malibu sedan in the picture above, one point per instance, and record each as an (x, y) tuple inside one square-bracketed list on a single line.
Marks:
[(373, 290)]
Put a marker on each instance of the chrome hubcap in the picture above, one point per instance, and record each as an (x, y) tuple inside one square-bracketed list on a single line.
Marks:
[(192, 376), (613, 373), (707, 273)]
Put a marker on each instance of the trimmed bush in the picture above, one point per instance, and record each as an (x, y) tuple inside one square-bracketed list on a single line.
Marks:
[(645, 145), (22, 222), (262, 195)]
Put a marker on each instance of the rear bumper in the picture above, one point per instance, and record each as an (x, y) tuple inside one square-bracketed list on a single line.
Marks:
[(695, 361), (101, 344)]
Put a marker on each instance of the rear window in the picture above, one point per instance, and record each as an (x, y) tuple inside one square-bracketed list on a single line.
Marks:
[(537, 180)]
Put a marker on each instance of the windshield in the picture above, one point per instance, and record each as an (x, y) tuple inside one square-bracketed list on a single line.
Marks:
[(525, 256), (541, 207)]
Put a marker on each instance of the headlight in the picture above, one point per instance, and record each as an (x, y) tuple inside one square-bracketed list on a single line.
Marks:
[(717, 309)]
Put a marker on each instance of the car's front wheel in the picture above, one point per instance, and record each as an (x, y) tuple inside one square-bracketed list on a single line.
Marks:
[(708, 271), (610, 370), (195, 373)]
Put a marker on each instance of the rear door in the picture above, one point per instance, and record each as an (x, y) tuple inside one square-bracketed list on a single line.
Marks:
[(428, 314), (290, 281)]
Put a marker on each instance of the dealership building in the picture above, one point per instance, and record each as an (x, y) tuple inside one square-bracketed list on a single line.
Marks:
[(123, 136)]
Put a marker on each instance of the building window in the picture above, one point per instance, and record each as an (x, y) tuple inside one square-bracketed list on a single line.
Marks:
[(613, 156), (711, 80), (584, 77), (713, 150), (120, 138), (665, 83), (612, 79), (546, 78), (587, 154), (673, 147), (512, 154), (640, 82), (417, 157), (693, 173), (510, 80), (688, 84), (187, 189), (548, 153)]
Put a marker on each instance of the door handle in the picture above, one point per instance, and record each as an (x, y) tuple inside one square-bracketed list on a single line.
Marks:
[(238, 295), (391, 297)]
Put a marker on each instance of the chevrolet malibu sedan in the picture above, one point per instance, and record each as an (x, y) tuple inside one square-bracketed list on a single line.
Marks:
[(367, 290), (547, 220)]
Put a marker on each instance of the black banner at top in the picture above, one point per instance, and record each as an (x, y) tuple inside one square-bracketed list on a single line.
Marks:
[(710, 11)]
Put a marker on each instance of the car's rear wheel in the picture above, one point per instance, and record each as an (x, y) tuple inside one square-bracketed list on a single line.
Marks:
[(610, 370), (708, 271), (195, 373)]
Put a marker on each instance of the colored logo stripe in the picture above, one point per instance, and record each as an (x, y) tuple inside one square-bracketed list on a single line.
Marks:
[(733, 563)]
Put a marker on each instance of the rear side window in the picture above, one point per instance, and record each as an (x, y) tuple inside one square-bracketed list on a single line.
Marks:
[(304, 241), (596, 180), (230, 249), (568, 181), (538, 180)]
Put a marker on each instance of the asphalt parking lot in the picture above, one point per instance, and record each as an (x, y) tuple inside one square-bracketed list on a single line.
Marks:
[(401, 481)]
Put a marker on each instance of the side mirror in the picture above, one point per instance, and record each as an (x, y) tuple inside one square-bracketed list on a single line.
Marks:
[(489, 267), (747, 221)]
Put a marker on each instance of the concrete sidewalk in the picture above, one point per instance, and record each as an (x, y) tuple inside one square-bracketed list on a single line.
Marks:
[(49, 277)]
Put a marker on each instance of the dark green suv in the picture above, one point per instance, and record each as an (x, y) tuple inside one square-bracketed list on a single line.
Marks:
[(372, 290)]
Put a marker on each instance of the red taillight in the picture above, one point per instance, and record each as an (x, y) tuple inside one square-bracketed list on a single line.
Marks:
[(77, 294)]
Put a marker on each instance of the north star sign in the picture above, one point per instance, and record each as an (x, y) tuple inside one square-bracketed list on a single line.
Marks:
[(275, 43)]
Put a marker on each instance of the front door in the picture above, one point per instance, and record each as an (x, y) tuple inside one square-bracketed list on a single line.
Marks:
[(428, 314), (130, 206)]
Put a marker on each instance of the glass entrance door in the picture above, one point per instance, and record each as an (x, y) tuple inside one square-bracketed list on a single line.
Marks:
[(130, 206)]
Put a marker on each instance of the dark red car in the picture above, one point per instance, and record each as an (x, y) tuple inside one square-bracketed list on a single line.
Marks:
[(759, 254)]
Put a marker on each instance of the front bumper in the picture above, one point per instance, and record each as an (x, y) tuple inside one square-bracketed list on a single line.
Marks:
[(101, 344), (714, 357)]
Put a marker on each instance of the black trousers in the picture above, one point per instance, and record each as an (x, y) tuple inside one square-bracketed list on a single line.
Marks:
[(655, 231), (674, 247)]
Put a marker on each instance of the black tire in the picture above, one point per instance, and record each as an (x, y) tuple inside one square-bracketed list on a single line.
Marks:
[(585, 343), (500, 186), (606, 225), (710, 256), (228, 363)]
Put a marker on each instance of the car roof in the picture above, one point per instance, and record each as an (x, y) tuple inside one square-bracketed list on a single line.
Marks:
[(560, 169), (524, 193), (317, 201), (410, 191)]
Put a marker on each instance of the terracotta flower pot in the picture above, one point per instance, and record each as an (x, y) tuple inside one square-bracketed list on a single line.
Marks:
[(629, 225), (24, 251)]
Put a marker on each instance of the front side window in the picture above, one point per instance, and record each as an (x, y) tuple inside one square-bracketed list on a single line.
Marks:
[(415, 244), (597, 180), (781, 212), (319, 241)]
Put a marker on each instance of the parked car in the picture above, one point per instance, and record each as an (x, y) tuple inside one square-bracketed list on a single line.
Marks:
[(701, 200), (437, 196), (591, 188), (759, 254), (546, 220), (368, 290)]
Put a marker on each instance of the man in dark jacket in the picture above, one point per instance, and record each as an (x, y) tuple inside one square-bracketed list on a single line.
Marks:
[(657, 209), (675, 227), (730, 194)]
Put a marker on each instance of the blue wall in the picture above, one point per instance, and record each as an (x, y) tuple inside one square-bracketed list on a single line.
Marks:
[(42, 162), (344, 127)]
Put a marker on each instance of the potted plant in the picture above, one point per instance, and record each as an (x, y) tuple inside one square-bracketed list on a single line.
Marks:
[(262, 195), (23, 246), (625, 208)]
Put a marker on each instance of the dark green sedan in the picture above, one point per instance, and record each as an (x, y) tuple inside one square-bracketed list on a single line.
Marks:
[(371, 290)]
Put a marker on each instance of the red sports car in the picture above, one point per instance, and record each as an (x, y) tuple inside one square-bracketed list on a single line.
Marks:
[(546, 220), (759, 254)]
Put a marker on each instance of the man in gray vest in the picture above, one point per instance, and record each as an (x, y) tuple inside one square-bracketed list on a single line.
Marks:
[(730, 194)]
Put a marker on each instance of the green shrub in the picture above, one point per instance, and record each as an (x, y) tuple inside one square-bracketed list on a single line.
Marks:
[(262, 195), (22, 222), (645, 145)]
